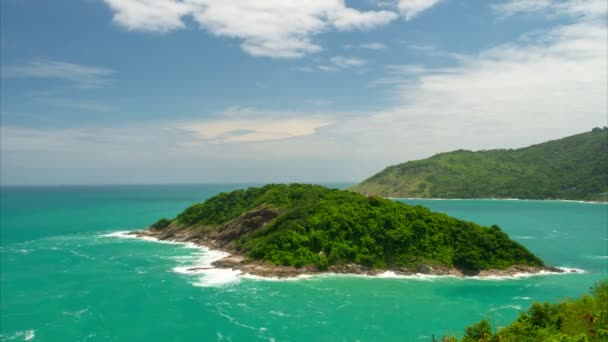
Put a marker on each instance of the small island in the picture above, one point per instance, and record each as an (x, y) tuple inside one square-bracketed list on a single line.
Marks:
[(283, 230)]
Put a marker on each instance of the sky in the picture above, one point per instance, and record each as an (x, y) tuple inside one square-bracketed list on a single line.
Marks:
[(230, 91)]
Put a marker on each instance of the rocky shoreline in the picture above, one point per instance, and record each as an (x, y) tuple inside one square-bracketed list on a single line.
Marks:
[(236, 261)]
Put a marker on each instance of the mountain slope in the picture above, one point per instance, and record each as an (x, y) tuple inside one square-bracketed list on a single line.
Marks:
[(312, 226), (574, 168)]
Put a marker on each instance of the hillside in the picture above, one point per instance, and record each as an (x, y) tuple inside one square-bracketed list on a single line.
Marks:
[(314, 228), (573, 168), (571, 320)]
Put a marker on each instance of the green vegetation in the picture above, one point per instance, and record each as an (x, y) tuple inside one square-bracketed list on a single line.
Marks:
[(316, 226), (581, 320), (160, 224), (574, 168)]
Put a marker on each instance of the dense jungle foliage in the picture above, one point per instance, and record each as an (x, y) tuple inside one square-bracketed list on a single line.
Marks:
[(572, 320), (574, 167), (321, 227)]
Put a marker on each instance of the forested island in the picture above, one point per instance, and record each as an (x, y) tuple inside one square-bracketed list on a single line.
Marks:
[(287, 230), (571, 320), (572, 168)]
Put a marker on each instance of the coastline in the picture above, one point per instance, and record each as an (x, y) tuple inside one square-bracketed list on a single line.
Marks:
[(496, 199), (229, 260)]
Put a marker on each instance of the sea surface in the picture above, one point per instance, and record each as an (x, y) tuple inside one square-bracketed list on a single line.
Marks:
[(68, 274)]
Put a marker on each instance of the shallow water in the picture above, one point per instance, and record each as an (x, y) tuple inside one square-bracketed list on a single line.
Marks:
[(68, 276)]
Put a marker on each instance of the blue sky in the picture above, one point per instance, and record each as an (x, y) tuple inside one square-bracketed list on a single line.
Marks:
[(171, 91)]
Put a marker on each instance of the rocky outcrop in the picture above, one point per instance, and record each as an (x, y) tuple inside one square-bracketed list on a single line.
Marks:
[(245, 224)]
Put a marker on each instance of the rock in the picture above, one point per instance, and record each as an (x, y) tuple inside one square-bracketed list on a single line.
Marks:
[(232, 261)]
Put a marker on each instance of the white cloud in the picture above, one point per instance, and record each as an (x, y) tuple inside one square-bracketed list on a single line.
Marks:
[(249, 125), (585, 8), (411, 8), (338, 63), (511, 7), (150, 15), (83, 75), (271, 28), (373, 46), (434, 51), (368, 46), (396, 74), (346, 62)]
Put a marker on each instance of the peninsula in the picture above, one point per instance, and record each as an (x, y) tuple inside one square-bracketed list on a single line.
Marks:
[(571, 168), (287, 230)]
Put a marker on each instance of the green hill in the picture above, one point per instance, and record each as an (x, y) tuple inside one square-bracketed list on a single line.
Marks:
[(301, 225), (574, 168), (581, 320)]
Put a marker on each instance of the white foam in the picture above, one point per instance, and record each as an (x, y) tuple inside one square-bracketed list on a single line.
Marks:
[(126, 235), (524, 237), (29, 335), (522, 298), (279, 313), (384, 275), (571, 270), (198, 263), (566, 271), (19, 251), (26, 335), (82, 255), (209, 276), (298, 277), (417, 276), (509, 306), (218, 277), (598, 256), (120, 234), (76, 314)]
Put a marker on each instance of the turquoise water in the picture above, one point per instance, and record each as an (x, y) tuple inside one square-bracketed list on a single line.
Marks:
[(65, 277)]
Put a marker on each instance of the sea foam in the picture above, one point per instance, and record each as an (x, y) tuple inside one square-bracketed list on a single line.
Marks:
[(197, 263), (27, 335)]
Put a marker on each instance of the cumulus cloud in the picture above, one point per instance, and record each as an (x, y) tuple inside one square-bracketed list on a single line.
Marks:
[(270, 28), (84, 76), (411, 8)]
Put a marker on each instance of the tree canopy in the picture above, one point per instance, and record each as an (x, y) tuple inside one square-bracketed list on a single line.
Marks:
[(571, 320), (574, 167)]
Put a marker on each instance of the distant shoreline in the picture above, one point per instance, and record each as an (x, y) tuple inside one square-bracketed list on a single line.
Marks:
[(230, 260), (496, 199)]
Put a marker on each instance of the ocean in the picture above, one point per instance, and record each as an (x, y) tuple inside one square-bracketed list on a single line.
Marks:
[(68, 274)]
